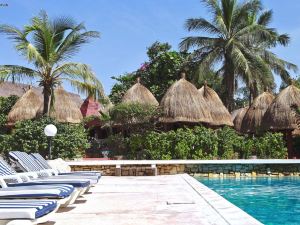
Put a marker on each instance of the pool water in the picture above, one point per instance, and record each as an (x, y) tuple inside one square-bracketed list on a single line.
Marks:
[(269, 200)]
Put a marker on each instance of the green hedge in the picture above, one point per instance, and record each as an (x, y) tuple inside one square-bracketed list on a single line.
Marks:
[(200, 143), (70, 142)]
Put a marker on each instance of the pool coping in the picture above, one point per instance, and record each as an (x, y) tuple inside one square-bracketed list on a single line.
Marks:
[(182, 162), (232, 214)]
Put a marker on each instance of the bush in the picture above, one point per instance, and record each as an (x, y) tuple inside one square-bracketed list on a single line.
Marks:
[(6, 103), (134, 117), (229, 143), (70, 142), (206, 146), (203, 143), (271, 146)]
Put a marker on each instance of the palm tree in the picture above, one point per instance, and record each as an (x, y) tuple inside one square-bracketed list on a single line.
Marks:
[(47, 45), (239, 42), (260, 45)]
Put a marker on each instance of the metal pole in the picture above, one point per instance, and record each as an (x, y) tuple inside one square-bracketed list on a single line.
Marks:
[(50, 147)]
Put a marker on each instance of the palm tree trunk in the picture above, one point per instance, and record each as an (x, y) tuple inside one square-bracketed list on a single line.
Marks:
[(229, 84), (47, 95)]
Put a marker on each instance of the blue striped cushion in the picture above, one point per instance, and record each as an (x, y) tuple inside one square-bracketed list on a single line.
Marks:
[(25, 209), (37, 191), (74, 183)]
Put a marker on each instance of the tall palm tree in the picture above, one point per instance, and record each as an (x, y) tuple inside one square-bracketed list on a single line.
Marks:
[(232, 42), (48, 45), (261, 46)]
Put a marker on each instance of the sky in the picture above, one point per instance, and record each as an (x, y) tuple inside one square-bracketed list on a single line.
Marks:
[(128, 27)]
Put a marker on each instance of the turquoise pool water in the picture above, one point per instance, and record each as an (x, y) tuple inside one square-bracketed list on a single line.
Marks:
[(269, 200)]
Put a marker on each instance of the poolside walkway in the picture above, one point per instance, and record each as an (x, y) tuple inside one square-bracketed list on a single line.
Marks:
[(168, 200)]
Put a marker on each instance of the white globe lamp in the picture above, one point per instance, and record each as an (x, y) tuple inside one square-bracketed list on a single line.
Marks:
[(50, 131)]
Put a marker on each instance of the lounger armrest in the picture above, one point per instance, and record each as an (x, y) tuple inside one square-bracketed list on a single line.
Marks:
[(51, 172), (30, 175), (9, 177)]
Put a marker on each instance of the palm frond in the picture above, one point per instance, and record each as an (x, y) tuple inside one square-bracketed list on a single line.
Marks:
[(74, 40), (13, 71), (201, 24), (89, 89), (190, 42), (80, 72), (265, 18)]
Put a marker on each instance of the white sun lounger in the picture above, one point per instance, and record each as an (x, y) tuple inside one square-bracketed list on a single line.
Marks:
[(26, 212)]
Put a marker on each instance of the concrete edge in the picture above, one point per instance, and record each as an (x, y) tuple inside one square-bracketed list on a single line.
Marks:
[(183, 162), (232, 214)]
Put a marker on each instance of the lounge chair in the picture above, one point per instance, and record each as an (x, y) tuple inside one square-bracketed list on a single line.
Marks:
[(40, 159), (29, 164), (26, 212), (64, 194), (10, 178)]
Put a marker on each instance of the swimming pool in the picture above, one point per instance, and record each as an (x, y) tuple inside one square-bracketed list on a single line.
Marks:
[(272, 201)]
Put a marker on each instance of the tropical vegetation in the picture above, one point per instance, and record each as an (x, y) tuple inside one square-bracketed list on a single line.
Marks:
[(161, 71), (48, 44), (197, 143), (240, 39), (28, 136), (237, 48)]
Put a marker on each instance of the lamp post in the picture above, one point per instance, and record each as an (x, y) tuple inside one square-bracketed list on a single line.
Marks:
[(50, 131)]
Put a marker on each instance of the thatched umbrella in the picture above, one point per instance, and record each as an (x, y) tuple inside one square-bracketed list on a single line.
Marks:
[(138, 93), (281, 115), (234, 113), (253, 117), (237, 122), (8, 88), (183, 103), (64, 110), (218, 111), (25, 108)]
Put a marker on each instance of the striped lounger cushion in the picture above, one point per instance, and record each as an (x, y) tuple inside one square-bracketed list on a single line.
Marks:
[(45, 165), (37, 191), (6, 169), (25, 209), (31, 165), (74, 183)]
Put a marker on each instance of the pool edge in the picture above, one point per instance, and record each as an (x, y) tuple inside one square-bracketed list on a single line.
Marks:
[(232, 214)]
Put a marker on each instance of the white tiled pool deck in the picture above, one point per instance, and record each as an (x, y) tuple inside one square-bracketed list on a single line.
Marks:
[(157, 200)]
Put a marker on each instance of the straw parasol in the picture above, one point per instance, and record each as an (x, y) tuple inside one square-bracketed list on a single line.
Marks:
[(281, 115), (234, 113), (218, 111), (138, 93), (253, 117), (25, 108), (183, 103), (8, 88), (237, 122), (65, 110)]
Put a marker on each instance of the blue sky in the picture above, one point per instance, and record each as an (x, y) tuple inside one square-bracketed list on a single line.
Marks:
[(128, 27)]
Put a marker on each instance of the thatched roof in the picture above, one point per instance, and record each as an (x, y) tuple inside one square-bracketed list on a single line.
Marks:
[(218, 111), (253, 117), (280, 115), (18, 89), (234, 113), (138, 93), (25, 108), (183, 103), (65, 110), (237, 122)]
